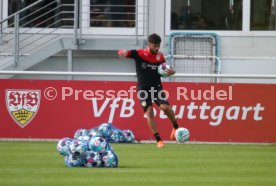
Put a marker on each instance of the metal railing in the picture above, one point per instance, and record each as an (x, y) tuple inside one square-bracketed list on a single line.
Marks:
[(34, 26), (122, 74), (216, 59), (42, 22)]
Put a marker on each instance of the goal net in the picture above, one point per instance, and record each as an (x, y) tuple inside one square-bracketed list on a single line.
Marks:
[(194, 53)]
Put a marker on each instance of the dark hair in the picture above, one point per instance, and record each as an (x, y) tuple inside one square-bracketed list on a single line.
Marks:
[(154, 39)]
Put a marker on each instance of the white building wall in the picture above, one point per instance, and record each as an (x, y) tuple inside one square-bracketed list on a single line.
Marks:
[(85, 61), (257, 56), (157, 20), (235, 46)]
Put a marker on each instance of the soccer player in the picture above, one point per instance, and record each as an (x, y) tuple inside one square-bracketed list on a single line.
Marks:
[(149, 83)]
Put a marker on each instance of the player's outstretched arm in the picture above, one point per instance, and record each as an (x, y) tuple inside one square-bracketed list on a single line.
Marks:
[(123, 53)]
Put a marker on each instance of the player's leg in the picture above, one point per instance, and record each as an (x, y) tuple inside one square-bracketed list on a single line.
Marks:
[(166, 108), (151, 120), (161, 101), (153, 126), (171, 115), (148, 109)]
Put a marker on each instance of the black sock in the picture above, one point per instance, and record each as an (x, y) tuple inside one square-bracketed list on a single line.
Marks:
[(157, 137), (175, 124)]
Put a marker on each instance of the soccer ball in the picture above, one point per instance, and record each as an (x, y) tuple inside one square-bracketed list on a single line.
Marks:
[(97, 144), (128, 136), (93, 159), (78, 147), (83, 138), (109, 159), (94, 133), (162, 69), (81, 132), (116, 136), (74, 161), (105, 130), (63, 146), (182, 135)]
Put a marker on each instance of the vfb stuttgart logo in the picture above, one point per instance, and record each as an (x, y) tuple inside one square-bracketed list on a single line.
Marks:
[(22, 105)]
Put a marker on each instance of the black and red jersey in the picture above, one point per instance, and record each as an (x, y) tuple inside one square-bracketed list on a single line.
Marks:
[(146, 67)]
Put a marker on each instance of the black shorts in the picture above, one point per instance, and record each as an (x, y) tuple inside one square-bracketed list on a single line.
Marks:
[(153, 94)]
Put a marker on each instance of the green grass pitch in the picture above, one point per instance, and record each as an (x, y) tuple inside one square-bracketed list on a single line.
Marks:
[(38, 163)]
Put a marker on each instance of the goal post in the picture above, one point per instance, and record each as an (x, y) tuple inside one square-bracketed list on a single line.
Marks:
[(194, 53)]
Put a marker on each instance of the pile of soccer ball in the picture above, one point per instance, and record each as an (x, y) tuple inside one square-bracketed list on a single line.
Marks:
[(91, 148), (112, 134)]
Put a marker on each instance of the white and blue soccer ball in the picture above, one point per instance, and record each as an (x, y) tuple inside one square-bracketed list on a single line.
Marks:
[(109, 158), (128, 136), (74, 160), (84, 138), (97, 144), (105, 130), (78, 147), (94, 133), (63, 146), (93, 159), (162, 69), (81, 132), (182, 135), (117, 136)]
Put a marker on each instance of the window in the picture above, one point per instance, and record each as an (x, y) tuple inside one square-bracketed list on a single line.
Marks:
[(262, 16), (97, 17), (112, 13), (206, 15), (47, 14)]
